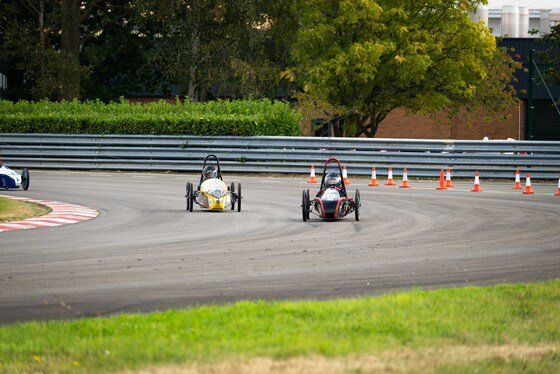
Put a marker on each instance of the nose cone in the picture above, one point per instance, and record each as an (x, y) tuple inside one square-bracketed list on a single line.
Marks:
[(216, 204)]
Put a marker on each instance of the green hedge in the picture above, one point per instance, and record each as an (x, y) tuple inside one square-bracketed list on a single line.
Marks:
[(236, 118)]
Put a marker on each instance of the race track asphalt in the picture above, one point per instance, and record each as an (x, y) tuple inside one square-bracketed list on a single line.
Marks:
[(144, 252)]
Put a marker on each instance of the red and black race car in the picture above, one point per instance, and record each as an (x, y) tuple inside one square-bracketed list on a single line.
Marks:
[(332, 201)]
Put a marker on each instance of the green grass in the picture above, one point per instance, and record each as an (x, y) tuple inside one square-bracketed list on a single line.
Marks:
[(475, 318), (15, 210)]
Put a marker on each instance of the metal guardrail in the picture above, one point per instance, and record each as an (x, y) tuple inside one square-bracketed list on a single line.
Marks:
[(285, 155)]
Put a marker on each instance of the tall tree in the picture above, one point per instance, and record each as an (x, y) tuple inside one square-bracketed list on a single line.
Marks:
[(552, 55), (232, 47), (49, 47), (70, 49), (81, 22), (365, 58), (259, 36), (183, 34), (24, 44), (117, 55), (43, 39)]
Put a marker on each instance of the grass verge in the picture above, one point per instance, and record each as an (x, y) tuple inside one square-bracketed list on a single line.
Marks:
[(503, 328), (15, 210)]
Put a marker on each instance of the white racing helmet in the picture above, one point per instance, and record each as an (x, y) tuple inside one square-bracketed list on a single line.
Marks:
[(210, 172), (333, 179)]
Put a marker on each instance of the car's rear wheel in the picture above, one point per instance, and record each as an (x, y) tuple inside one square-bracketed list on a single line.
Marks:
[(239, 197), (25, 179), (308, 204), (357, 204), (187, 195), (231, 195)]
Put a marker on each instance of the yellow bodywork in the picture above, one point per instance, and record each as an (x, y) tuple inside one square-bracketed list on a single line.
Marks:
[(215, 194), (214, 203)]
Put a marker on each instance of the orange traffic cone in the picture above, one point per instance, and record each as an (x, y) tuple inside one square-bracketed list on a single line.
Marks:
[(517, 184), (404, 180), (441, 182), (312, 178), (390, 178), (558, 191), (448, 182), (345, 176), (528, 189), (476, 187), (373, 178)]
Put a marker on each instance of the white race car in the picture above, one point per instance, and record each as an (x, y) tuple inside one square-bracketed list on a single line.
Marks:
[(10, 179), (212, 193)]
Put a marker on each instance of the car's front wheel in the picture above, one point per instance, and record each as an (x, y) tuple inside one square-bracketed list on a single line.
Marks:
[(191, 197), (357, 204), (232, 194), (305, 206)]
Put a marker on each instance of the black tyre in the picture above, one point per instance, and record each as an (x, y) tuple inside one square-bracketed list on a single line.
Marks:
[(304, 206), (25, 179), (308, 203), (357, 205), (232, 195), (239, 197), (191, 197), (187, 195)]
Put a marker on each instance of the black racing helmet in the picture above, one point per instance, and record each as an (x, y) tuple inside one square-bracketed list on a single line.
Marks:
[(210, 172), (333, 179)]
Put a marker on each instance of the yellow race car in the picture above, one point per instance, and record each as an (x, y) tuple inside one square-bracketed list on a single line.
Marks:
[(212, 193)]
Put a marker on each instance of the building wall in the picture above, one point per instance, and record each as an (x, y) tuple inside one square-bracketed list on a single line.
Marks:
[(400, 125)]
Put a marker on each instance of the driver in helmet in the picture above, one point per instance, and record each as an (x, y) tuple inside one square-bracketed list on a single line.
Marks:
[(334, 180), (209, 172)]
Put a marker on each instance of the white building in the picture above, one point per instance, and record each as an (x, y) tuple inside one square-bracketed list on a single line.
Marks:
[(519, 18)]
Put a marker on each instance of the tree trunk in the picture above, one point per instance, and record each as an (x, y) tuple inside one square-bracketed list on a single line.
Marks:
[(363, 127), (195, 56), (373, 126), (42, 64), (69, 80), (368, 125)]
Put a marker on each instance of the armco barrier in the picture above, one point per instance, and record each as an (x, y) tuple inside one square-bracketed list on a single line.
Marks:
[(285, 155)]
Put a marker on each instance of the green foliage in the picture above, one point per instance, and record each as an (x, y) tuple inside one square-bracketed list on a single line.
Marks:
[(552, 55), (199, 48), (239, 118), (523, 315), (118, 59), (219, 48), (370, 57)]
